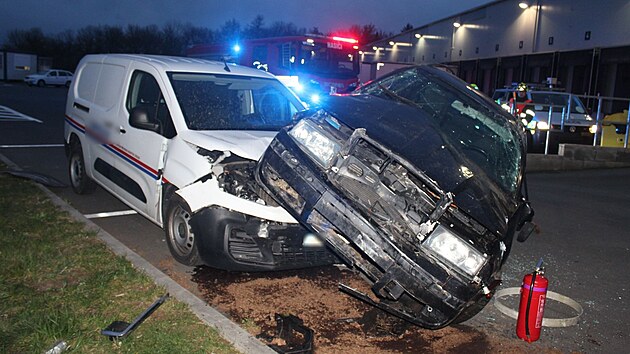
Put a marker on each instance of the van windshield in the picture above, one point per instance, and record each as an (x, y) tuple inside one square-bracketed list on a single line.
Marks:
[(230, 102)]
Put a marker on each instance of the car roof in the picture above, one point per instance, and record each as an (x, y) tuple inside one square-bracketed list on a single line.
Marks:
[(184, 64)]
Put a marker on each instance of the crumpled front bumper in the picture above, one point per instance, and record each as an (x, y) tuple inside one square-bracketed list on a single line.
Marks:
[(418, 290)]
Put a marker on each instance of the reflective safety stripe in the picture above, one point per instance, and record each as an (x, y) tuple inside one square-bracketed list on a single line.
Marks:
[(537, 289)]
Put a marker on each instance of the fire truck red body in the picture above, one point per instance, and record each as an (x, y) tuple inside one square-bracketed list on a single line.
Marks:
[(319, 63)]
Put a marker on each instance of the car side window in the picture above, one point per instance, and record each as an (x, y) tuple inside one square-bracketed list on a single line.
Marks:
[(145, 92), (53, 73)]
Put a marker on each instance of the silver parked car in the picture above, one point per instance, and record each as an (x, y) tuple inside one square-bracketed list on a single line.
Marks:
[(50, 77)]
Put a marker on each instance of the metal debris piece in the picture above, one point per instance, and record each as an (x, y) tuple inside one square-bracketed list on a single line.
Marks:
[(296, 338), (120, 329)]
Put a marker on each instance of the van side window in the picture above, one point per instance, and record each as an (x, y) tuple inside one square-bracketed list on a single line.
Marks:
[(145, 92)]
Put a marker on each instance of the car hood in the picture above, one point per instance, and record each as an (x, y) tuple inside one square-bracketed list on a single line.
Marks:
[(414, 136), (249, 144)]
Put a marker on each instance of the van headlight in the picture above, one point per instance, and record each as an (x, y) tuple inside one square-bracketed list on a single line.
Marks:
[(453, 250), (315, 142)]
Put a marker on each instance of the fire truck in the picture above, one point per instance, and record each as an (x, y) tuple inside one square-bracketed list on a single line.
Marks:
[(311, 64)]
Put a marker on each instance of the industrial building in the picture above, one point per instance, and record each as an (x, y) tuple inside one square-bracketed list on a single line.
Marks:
[(579, 45)]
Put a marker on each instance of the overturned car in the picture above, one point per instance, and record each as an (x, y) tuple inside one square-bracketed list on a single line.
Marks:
[(417, 181)]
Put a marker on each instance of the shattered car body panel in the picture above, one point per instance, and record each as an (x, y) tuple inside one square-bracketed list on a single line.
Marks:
[(423, 198)]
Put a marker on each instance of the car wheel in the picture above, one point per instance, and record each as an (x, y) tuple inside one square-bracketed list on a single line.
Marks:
[(79, 180), (179, 234), (41, 83)]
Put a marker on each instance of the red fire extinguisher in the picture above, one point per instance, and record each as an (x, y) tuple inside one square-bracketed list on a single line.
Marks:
[(532, 306)]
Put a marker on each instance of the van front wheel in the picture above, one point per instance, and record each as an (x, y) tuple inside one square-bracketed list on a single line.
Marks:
[(179, 234), (79, 180)]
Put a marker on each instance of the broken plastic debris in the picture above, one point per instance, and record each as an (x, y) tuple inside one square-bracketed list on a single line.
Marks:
[(291, 337)]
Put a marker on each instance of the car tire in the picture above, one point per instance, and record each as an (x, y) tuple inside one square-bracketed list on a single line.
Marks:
[(180, 238), (79, 180), (41, 83)]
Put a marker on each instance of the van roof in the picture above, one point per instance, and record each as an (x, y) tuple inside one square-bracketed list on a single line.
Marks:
[(183, 64)]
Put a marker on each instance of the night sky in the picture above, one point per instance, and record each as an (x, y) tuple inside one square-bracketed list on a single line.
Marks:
[(328, 15)]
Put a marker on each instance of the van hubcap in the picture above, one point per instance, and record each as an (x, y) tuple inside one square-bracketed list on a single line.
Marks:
[(182, 236)]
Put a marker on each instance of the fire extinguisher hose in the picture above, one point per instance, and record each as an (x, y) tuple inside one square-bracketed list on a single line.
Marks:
[(547, 322), (529, 302)]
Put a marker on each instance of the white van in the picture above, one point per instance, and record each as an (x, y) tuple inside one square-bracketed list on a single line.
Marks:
[(177, 139)]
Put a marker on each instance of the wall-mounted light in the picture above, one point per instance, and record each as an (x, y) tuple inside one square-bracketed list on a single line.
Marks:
[(355, 47), (418, 35), (457, 24), (375, 48), (391, 43), (523, 5)]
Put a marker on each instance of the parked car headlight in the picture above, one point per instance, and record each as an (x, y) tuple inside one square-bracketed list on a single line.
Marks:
[(542, 125), (315, 142), (455, 251)]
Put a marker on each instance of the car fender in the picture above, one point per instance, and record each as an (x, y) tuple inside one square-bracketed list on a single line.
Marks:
[(207, 193)]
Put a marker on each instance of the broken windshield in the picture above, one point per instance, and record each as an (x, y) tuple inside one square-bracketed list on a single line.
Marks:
[(479, 132), (230, 102)]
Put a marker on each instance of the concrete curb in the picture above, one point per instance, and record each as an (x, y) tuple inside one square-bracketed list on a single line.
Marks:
[(579, 157), (230, 331)]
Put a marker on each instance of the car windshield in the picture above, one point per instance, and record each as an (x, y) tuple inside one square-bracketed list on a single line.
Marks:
[(230, 102), (478, 130), (557, 100)]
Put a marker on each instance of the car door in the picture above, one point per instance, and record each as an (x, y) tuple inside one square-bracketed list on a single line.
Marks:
[(51, 78), (142, 150)]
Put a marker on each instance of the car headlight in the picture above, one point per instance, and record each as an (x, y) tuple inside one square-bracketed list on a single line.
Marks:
[(455, 251), (315, 142), (542, 125)]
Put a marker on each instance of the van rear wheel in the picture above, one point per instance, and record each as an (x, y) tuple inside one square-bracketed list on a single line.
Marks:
[(179, 234), (79, 180)]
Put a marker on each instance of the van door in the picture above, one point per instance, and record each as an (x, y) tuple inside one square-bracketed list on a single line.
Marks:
[(98, 102), (142, 147)]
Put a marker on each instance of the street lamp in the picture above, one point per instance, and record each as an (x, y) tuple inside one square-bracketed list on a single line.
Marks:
[(523, 5)]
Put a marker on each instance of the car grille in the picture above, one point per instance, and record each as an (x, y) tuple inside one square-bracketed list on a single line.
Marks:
[(389, 195)]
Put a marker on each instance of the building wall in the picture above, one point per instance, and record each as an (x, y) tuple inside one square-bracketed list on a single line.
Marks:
[(17, 66), (584, 44)]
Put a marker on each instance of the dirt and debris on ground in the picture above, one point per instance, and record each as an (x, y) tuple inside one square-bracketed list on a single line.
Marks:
[(341, 323)]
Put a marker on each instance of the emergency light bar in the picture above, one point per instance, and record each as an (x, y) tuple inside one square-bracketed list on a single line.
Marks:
[(347, 40)]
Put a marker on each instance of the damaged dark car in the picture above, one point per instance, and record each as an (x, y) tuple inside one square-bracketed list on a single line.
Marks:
[(417, 181)]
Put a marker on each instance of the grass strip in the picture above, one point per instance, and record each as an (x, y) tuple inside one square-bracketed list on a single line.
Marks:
[(59, 282)]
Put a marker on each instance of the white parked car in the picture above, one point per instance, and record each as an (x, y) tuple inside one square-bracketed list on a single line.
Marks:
[(50, 77), (177, 139)]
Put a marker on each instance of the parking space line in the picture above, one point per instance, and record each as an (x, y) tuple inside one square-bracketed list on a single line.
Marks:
[(7, 114), (110, 214)]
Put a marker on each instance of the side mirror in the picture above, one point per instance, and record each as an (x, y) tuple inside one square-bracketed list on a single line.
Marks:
[(140, 118), (525, 226), (525, 231)]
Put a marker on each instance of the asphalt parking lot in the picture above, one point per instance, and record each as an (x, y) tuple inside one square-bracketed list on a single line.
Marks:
[(584, 238)]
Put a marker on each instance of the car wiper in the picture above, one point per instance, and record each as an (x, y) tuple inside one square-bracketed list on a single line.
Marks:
[(398, 97)]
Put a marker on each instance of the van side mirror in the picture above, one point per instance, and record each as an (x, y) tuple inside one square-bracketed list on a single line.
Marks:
[(140, 118)]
